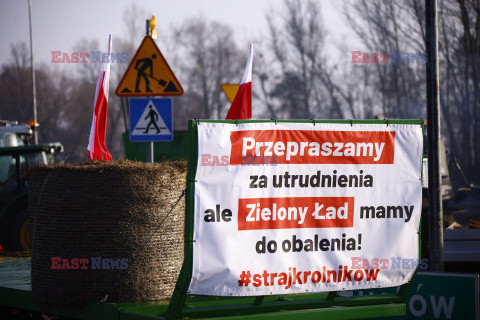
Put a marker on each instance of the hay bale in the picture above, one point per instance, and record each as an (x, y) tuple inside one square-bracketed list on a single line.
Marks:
[(106, 210)]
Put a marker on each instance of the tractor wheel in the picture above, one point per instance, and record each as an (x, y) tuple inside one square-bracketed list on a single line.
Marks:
[(19, 233)]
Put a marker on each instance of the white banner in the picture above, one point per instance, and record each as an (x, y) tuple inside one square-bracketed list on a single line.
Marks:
[(294, 207)]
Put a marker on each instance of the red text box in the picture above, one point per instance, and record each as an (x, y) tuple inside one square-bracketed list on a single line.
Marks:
[(315, 147), (287, 213)]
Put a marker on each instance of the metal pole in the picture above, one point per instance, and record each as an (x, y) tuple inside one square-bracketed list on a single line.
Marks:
[(150, 154), (435, 213), (124, 111), (35, 133)]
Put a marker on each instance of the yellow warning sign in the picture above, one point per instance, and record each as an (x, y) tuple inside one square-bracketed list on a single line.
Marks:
[(230, 91), (149, 74)]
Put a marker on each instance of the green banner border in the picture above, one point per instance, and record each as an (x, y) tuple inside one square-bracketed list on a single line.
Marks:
[(178, 308)]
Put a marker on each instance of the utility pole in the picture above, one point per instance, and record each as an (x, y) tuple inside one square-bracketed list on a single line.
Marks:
[(34, 94), (435, 213)]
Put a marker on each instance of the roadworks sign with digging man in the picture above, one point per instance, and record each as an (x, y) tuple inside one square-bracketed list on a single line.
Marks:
[(149, 74)]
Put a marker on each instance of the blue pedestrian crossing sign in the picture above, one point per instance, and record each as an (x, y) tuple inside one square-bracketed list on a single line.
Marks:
[(151, 120)]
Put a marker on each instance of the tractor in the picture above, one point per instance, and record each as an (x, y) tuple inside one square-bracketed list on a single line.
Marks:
[(17, 155)]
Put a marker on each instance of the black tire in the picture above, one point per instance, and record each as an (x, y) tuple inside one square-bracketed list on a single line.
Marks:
[(16, 239)]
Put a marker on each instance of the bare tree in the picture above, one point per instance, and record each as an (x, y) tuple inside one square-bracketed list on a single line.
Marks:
[(299, 80), (387, 27), (459, 45), (297, 38), (56, 115), (400, 26), (15, 80), (209, 58)]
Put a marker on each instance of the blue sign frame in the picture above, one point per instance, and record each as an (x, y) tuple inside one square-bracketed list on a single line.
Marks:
[(151, 119)]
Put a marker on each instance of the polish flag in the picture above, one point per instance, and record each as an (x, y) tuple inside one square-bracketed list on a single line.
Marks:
[(242, 104), (96, 144)]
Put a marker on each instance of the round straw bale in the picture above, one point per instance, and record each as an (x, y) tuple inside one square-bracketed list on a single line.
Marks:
[(96, 233)]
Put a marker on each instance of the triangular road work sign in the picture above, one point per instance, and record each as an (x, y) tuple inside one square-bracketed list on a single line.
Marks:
[(149, 74), (150, 124)]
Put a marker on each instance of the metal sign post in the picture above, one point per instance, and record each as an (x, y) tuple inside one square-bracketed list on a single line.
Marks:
[(150, 156), (150, 151)]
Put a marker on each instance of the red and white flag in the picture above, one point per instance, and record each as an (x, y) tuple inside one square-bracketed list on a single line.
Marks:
[(96, 144), (242, 104)]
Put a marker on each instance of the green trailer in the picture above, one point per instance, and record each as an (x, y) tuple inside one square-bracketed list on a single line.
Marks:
[(16, 303), (16, 300)]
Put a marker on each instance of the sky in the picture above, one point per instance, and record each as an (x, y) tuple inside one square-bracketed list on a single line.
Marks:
[(59, 24)]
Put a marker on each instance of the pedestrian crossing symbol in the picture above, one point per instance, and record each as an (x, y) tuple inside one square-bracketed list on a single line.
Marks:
[(151, 119), (149, 74)]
